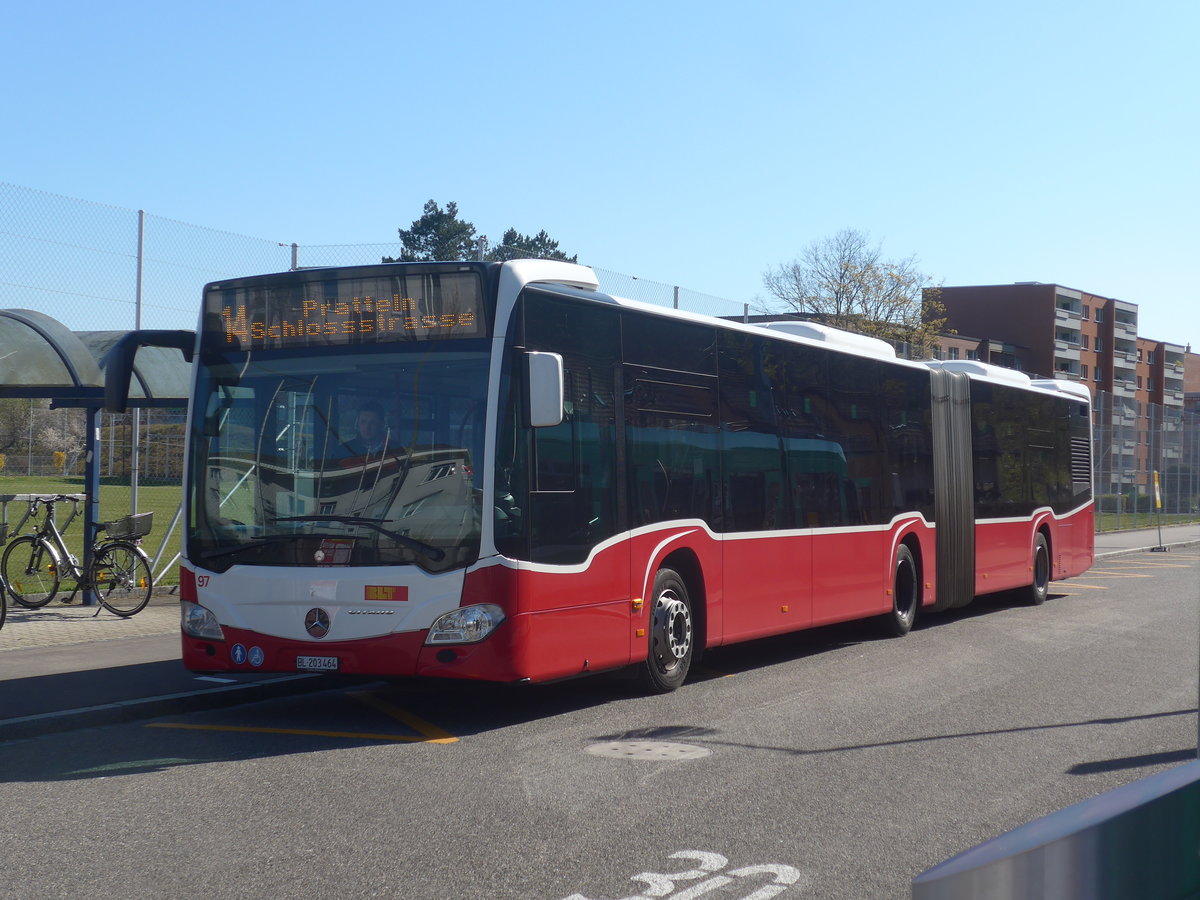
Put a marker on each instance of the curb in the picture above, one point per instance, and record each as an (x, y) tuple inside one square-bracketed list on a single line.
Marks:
[(1132, 550)]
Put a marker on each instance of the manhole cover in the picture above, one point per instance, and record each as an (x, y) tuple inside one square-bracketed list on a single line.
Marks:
[(654, 750)]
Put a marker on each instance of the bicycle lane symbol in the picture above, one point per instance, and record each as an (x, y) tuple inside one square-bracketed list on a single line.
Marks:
[(781, 878)]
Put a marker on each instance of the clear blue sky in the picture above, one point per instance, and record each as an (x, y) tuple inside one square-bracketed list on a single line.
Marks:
[(695, 143)]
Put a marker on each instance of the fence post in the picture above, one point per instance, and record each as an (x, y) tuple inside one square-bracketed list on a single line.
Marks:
[(91, 490), (137, 326)]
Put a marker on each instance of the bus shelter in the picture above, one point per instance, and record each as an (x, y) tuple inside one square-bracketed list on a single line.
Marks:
[(41, 359)]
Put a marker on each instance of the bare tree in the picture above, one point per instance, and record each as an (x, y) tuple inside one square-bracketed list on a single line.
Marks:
[(19, 421), (844, 281), (65, 432)]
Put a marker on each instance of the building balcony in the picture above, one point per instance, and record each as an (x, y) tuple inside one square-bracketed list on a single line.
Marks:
[(1065, 351), (1124, 311), (1067, 316), (1124, 388)]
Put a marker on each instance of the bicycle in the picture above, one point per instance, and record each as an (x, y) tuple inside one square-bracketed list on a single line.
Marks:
[(33, 564)]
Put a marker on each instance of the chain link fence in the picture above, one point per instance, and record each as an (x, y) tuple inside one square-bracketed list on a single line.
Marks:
[(93, 267), (1147, 463)]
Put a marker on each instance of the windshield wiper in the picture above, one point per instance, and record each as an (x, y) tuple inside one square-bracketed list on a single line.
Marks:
[(268, 541), (434, 553)]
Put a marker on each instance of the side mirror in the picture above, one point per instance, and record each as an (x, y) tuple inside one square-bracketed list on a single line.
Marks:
[(545, 381)]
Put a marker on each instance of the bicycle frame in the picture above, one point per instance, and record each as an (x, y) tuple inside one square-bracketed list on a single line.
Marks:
[(56, 544)]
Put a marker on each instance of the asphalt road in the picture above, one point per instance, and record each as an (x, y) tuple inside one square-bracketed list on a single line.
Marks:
[(828, 764)]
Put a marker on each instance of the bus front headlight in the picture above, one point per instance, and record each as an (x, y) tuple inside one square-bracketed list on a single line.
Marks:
[(467, 625), (199, 622)]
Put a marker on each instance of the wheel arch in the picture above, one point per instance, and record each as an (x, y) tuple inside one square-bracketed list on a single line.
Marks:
[(1043, 527), (912, 541), (685, 561)]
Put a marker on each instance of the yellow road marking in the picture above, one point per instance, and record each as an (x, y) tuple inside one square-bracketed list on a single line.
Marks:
[(705, 672), (432, 733), (306, 732), (429, 734), (1154, 566)]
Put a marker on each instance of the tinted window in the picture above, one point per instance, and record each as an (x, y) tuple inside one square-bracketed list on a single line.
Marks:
[(572, 466), (1023, 444), (669, 344), (854, 422), (908, 427), (671, 434), (755, 498)]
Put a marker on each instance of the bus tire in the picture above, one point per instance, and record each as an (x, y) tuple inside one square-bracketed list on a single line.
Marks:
[(672, 635), (1041, 571), (906, 595)]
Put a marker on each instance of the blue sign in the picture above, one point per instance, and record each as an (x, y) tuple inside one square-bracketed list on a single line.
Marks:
[(237, 653), (256, 656)]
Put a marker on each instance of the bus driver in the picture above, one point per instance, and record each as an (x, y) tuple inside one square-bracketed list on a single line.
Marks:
[(372, 437)]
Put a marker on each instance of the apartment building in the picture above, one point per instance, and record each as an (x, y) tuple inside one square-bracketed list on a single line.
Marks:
[(1049, 330)]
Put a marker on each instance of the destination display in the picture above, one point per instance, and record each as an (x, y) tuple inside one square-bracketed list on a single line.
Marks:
[(290, 311)]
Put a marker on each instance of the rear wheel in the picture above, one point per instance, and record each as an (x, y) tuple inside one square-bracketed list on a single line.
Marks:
[(31, 570), (672, 636), (1041, 571), (906, 595), (121, 578)]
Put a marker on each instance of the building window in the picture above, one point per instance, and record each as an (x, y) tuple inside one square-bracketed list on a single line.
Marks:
[(972, 354), (1083, 372), (1099, 344), (1083, 341), (1087, 312), (1099, 314), (1139, 382), (1139, 354), (1099, 374), (953, 353)]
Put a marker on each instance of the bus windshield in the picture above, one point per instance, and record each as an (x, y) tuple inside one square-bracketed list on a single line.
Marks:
[(338, 457)]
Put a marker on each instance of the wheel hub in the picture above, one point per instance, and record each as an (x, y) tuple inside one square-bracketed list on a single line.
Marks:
[(673, 627)]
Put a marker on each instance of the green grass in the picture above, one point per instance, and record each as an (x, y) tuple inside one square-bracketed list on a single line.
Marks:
[(1130, 521), (162, 500)]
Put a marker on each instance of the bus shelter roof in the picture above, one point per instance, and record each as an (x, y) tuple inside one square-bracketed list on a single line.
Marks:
[(41, 358)]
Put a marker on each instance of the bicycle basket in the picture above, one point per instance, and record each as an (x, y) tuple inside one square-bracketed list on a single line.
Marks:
[(130, 526)]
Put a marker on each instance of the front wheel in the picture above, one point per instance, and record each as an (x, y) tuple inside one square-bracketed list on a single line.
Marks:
[(1040, 588), (31, 570), (672, 637), (121, 578)]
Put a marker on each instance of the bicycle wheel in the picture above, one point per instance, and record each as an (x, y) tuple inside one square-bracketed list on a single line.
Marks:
[(121, 578), (30, 568)]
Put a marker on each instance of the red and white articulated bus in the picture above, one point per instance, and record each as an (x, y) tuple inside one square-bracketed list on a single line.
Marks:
[(566, 482)]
